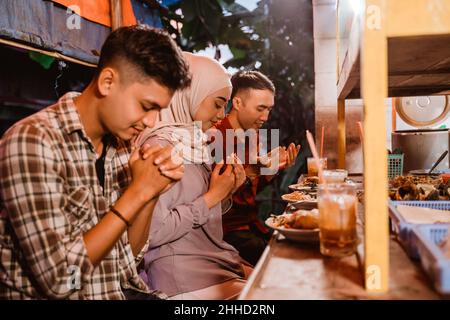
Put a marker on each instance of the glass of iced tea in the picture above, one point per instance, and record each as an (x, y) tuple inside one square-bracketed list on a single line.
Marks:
[(337, 219), (335, 176), (312, 166)]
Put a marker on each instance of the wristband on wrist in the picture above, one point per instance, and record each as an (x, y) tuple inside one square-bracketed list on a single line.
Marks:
[(120, 216)]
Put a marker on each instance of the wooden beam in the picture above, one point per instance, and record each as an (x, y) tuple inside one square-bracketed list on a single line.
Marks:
[(394, 114), (54, 54), (338, 39), (417, 17), (348, 75), (374, 84), (341, 143), (348, 79), (341, 102), (116, 14)]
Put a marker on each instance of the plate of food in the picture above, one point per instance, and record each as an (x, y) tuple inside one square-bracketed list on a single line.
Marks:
[(303, 205), (301, 187), (297, 196), (300, 226), (356, 184), (308, 181)]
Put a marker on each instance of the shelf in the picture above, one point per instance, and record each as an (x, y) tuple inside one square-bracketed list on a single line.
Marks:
[(417, 65), (392, 48)]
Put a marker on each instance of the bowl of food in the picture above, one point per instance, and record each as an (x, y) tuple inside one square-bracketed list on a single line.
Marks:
[(299, 226)]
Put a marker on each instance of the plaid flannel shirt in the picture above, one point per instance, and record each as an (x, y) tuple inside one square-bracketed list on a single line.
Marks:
[(49, 196)]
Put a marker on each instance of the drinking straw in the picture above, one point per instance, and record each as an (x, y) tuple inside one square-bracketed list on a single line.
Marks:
[(313, 148), (361, 132), (321, 141)]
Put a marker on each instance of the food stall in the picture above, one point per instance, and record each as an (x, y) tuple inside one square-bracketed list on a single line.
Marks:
[(386, 49)]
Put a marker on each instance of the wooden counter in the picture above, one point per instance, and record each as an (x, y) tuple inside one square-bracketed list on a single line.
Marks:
[(290, 270)]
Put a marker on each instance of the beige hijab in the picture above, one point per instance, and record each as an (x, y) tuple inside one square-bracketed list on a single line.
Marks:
[(176, 123)]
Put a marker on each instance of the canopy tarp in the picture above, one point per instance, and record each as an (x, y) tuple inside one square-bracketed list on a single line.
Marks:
[(100, 10), (44, 25)]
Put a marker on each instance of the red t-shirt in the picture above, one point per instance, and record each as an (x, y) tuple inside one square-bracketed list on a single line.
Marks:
[(244, 212)]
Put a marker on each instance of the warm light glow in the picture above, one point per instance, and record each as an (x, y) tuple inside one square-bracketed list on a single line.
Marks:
[(356, 6)]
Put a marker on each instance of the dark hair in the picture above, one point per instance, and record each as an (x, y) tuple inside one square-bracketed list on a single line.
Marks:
[(244, 80), (151, 51)]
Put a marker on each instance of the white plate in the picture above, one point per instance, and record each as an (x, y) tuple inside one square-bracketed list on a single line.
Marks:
[(358, 185), (300, 187), (298, 235), (301, 205), (286, 197)]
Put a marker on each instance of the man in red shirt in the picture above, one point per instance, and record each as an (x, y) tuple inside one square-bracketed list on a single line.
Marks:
[(253, 99)]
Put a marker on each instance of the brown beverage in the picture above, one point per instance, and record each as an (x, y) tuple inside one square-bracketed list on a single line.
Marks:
[(312, 166), (337, 220)]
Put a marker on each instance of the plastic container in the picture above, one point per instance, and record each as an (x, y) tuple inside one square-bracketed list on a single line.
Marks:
[(432, 257), (403, 229), (437, 204), (395, 165)]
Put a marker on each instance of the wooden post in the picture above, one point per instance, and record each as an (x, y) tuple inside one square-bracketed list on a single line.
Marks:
[(341, 143), (341, 133), (374, 83), (394, 114), (116, 14)]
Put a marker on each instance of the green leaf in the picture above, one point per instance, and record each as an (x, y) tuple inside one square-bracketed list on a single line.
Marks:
[(44, 60), (237, 53), (225, 2), (210, 14), (188, 8), (187, 29)]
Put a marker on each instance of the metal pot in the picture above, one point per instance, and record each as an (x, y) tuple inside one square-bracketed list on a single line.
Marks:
[(422, 148)]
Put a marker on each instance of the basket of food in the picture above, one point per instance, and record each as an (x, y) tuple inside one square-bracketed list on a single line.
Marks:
[(417, 200), (420, 188)]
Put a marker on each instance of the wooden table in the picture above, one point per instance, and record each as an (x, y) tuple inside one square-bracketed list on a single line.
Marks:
[(288, 270)]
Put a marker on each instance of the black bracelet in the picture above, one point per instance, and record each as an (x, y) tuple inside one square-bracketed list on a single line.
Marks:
[(118, 214)]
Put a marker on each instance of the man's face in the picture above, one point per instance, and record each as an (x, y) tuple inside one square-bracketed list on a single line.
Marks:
[(130, 107), (253, 107)]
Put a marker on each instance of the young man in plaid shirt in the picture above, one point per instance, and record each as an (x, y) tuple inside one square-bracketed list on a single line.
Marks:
[(76, 200)]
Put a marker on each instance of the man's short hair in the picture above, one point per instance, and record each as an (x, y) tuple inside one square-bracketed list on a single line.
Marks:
[(244, 80), (150, 52)]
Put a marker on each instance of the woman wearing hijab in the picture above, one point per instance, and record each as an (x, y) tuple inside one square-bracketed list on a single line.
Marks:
[(187, 257)]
